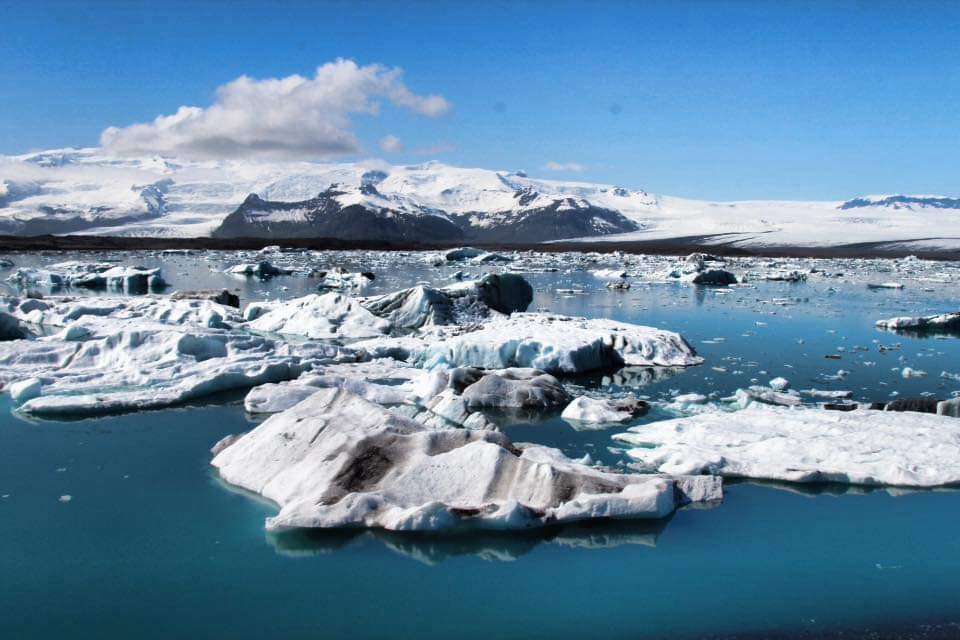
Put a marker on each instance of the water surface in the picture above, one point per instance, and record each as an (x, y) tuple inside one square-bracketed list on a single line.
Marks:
[(151, 544)]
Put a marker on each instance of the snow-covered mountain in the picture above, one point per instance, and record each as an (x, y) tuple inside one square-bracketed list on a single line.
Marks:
[(87, 191)]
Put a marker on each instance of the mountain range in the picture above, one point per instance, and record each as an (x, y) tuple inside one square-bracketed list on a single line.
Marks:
[(86, 191)]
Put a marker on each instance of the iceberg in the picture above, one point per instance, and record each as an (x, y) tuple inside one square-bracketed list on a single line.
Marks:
[(588, 410), (944, 322), (335, 460), (263, 270), (143, 369), (516, 388), (102, 355), (321, 317), (90, 275), (861, 447), (462, 303), (557, 345)]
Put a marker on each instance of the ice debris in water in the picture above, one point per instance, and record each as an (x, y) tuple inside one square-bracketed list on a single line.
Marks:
[(263, 270), (603, 411), (104, 354), (90, 275)]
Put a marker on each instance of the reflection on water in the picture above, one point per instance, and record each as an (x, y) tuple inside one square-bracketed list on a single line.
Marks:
[(815, 489), (432, 549)]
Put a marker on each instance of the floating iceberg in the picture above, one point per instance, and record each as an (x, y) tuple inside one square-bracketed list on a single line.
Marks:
[(341, 279), (321, 317), (393, 385), (601, 411), (804, 445), (557, 345), (462, 303), (102, 355), (262, 270), (516, 389), (944, 322), (336, 460), (91, 275)]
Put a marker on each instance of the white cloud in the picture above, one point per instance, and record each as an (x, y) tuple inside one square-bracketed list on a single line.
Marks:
[(292, 117), (564, 166), (391, 144)]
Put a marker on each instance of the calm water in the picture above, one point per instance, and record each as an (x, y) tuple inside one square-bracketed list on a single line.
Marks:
[(151, 544)]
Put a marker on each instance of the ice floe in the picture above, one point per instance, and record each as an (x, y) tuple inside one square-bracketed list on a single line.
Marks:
[(602, 411), (462, 303), (321, 317), (516, 388), (262, 269), (90, 275), (336, 460), (102, 355), (945, 322), (552, 343), (804, 445)]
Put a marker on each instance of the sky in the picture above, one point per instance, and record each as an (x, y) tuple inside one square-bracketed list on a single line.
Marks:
[(714, 100)]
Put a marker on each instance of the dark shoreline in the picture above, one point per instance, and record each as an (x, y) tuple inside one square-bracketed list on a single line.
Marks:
[(676, 246), (945, 630)]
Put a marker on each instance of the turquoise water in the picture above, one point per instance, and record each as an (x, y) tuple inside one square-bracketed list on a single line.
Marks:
[(152, 545)]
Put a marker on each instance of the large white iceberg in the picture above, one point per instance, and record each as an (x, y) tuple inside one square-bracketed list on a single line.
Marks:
[(101, 355), (920, 324), (321, 317), (558, 345), (805, 445), (336, 460), (59, 312)]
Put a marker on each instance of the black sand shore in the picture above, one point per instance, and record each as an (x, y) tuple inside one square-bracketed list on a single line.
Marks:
[(675, 246)]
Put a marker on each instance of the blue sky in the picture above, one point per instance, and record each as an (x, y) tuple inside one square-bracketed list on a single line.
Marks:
[(719, 100)]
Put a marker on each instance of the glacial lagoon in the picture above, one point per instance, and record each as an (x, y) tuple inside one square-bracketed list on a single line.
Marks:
[(118, 525)]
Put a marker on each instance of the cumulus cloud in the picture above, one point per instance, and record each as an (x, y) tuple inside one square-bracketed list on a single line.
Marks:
[(564, 166), (391, 144), (292, 117)]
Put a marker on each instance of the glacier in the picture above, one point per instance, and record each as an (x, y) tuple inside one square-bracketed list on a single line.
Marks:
[(89, 191)]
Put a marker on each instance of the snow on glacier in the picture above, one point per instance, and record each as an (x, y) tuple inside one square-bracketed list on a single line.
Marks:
[(165, 196)]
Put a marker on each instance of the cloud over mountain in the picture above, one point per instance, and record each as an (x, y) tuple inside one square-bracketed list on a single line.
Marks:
[(291, 117)]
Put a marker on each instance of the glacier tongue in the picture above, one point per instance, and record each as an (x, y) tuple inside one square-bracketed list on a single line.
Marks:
[(336, 460)]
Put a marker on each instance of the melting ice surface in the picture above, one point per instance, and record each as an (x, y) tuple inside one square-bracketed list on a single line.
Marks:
[(118, 526)]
